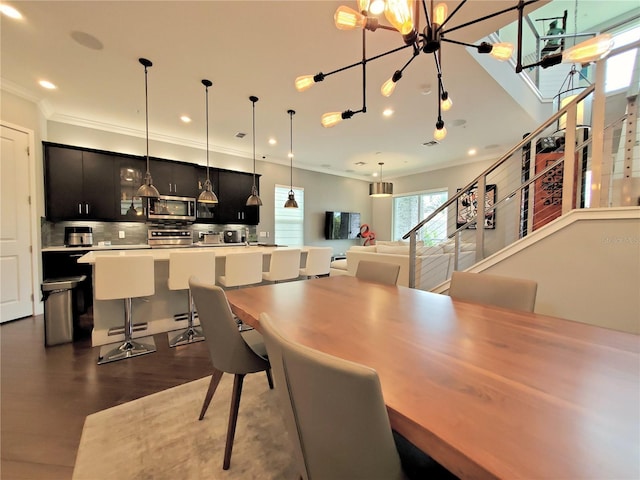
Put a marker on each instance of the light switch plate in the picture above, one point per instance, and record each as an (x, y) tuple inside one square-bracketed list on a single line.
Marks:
[(120, 233)]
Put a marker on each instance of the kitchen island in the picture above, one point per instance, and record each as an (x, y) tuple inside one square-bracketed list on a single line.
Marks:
[(164, 311)]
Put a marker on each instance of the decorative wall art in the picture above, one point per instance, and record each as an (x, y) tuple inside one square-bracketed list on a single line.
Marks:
[(467, 207)]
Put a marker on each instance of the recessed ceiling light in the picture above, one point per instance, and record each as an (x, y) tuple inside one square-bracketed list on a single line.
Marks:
[(47, 84), (185, 119), (240, 135), (374, 174), (472, 151), (359, 164), (272, 141), (10, 11), (387, 112)]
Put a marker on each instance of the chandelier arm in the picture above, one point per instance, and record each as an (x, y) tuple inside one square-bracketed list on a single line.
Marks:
[(449, 17), (458, 42), (519, 66), (520, 5), (426, 12), (364, 70), (368, 60)]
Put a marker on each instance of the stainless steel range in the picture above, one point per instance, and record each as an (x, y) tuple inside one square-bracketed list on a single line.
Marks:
[(167, 238)]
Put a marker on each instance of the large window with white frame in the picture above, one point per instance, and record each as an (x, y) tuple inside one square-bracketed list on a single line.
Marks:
[(289, 222), (410, 209)]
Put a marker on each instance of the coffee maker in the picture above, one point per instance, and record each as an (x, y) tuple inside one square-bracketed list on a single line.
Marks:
[(78, 236)]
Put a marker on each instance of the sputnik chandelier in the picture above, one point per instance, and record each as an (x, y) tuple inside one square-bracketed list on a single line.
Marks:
[(404, 17)]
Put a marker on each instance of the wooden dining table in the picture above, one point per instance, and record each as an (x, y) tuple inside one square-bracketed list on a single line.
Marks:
[(487, 392)]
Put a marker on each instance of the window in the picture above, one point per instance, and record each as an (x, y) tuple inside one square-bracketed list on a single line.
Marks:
[(408, 210), (620, 68), (289, 222)]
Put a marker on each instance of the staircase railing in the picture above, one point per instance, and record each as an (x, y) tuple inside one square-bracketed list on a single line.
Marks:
[(531, 185)]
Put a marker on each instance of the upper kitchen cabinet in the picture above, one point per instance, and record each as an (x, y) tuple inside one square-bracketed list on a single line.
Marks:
[(207, 212), (233, 191), (79, 184), (174, 178), (129, 174)]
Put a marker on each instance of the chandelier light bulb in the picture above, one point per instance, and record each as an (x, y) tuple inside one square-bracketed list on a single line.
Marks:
[(590, 50), (388, 87), (445, 102), (376, 7), (399, 13), (440, 133), (363, 6), (347, 18), (502, 51), (304, 82), (440, 13), (330, 119)]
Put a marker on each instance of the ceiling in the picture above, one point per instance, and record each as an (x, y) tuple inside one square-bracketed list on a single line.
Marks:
[(258, 48)]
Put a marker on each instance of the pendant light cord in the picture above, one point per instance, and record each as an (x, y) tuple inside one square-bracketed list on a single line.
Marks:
[(291, 114), (206, 95), (253, 102), (146, 108)]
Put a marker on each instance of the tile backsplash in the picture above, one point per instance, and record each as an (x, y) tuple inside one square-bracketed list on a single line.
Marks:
[(135, 233)]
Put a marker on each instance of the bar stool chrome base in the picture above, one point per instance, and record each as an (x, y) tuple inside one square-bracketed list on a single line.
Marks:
[(127, 349), (190, 335)]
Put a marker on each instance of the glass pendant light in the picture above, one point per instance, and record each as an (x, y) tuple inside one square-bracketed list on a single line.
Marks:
[(254, 198), (291, 202), (207, 195), (381, 189), (147, 189)]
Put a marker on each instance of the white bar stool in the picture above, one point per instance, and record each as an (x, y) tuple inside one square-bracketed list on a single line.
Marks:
[(318, 262), (241, 268), (124, 277), (284, 265), (183, 265)]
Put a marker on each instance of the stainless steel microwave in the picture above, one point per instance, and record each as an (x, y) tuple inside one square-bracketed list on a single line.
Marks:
[(169, 208)]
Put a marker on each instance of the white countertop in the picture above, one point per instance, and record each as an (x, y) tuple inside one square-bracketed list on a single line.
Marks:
[(62, 248), (162, 254)]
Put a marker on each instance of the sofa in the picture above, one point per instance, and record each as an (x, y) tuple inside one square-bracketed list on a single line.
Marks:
[(434, 264)]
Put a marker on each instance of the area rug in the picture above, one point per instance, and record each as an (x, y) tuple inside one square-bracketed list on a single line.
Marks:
[(160, 436)]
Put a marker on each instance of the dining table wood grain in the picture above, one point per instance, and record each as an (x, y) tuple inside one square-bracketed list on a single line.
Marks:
[(487, 392)]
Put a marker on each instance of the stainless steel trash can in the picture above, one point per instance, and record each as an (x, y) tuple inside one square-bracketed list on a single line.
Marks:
[(59, 309)]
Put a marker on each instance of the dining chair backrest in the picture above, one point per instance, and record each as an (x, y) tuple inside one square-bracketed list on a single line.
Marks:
[(228, 351), (184, 264), (505, 292), (379, 272), (284, 265), (273, 342), (123, 276), (337, 406), (242, 268), (318, 261)]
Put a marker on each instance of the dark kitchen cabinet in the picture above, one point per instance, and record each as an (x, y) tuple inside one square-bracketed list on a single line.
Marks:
[(174, 178), (79, 184), (207, 212), (129, 174), (234, 189)]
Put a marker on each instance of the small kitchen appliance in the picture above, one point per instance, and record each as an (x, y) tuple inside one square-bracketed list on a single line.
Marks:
[(78, 236), (232, 236), (211, 238)]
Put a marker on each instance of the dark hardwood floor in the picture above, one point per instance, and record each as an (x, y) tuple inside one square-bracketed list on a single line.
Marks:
[(46, 393)]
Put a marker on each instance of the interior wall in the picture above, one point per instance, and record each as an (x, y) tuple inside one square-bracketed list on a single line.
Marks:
[(588, 271)]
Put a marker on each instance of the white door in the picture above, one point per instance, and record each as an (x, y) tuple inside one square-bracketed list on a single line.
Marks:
[(15, 258)]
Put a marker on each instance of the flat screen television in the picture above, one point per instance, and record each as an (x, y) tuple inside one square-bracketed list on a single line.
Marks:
[(341, 225)]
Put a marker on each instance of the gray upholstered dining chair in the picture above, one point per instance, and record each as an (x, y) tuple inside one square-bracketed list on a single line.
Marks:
[(334, 412), (379, 272), (231, 351), (497, 290)]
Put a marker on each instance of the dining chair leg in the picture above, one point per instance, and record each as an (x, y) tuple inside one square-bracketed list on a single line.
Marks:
[(269, 378), (213, 384), (233, 418)]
